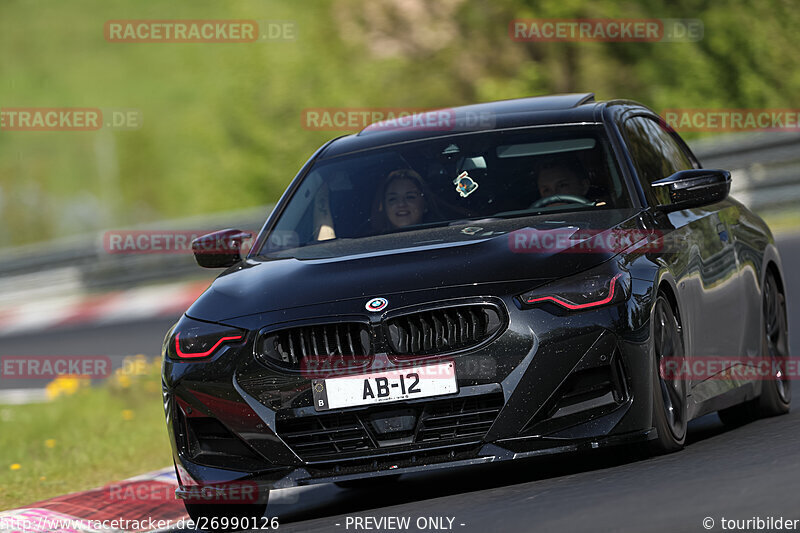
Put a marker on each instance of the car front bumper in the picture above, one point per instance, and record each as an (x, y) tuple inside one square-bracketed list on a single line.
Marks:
[(559, 384)]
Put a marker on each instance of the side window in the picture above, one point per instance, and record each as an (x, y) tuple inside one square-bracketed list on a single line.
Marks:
[(655, 153)]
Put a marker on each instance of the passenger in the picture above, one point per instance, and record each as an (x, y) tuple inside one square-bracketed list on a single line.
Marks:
[(402, 201)]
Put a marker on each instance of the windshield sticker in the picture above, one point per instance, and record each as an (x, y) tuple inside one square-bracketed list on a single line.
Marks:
[(465, 185)]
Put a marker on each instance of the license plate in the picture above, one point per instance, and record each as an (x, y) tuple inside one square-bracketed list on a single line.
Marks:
[(408, 383)]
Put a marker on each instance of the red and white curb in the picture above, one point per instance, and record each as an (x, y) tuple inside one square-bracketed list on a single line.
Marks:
[(99, 309), (143, 503), (138, 503)]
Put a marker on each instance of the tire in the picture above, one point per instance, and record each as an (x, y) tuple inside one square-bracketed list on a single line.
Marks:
[(776, 394), (669, 393), (203, 513), (367, 483)]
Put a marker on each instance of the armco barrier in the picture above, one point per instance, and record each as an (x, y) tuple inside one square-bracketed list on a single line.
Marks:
[(82, 264), (765, 167)]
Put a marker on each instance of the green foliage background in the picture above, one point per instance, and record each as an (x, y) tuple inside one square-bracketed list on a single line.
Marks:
[(222, 122)]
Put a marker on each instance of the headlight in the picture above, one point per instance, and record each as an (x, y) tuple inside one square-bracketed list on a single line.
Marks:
[(193, 339), (604, 285)]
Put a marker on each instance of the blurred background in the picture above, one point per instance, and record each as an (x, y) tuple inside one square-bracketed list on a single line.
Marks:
[(222, 134), (222, 126)]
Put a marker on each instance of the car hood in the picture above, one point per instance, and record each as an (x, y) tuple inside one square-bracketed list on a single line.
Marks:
[(495, 254)]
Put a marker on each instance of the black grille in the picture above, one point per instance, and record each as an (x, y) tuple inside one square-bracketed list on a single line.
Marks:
[(442, 330), (470, 417), (335, 345), (437, 423), (324, 435)]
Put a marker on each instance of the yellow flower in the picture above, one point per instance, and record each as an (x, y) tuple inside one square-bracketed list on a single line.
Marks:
[(127, 414), (50, 443), (65, 385), (124, 380), (15, 466), (42, 478)]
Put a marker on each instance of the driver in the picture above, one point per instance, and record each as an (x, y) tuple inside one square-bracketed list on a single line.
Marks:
[(561, 178)]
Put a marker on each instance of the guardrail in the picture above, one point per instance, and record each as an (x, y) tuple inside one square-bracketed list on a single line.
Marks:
[(82, 264), (765, 167), (766, 176)]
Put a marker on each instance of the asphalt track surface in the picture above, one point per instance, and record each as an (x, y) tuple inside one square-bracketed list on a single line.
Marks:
[(116, 341), (742, 473)]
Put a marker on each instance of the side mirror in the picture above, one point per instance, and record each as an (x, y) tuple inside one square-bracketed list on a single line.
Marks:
[(691, 188), (219, 249)]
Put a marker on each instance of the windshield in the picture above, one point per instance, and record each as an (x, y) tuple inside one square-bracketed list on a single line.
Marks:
[(377, 197)]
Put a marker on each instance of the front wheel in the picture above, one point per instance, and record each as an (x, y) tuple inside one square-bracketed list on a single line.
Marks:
[(669, 391), (776, 393)]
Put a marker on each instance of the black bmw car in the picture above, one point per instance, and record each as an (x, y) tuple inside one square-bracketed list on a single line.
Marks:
[(489, 283)]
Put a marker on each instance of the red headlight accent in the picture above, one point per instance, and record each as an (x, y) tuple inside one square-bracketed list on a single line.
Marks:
[(184, 355), (572, 306)]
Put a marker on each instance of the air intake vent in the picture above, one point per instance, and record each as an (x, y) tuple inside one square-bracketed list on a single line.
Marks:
[(391, 428), (207, 442), (470, 417), (326, 435), (586, 394), (593, 388), (441, 331), (338, 345)]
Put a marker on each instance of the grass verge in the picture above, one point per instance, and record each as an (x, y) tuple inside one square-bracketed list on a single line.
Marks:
[(84, 437), (785, 221)]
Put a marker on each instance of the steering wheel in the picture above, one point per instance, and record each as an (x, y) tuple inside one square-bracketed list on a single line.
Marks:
[(561, 198)]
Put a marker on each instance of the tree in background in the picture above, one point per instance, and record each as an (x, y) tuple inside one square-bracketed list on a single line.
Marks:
[(222, 122)]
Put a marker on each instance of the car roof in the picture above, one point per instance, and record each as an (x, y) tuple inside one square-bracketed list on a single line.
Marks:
[(520, 112)]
